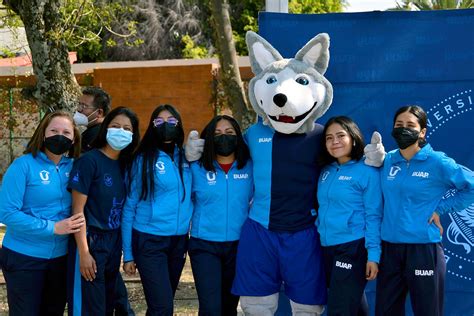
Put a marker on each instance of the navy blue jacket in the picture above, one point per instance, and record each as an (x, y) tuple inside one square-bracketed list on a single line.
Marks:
[(285, 173)]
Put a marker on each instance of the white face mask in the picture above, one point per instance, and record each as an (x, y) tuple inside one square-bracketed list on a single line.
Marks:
[(81, 119), (118, 138)]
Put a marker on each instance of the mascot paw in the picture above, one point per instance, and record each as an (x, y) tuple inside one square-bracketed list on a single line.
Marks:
[(194, 147), (375, 152)]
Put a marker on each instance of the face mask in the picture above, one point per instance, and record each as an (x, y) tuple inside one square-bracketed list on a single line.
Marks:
[(118, 138), (83, 120), (57, 144), (405, 137), (167, 132), (225, 144)]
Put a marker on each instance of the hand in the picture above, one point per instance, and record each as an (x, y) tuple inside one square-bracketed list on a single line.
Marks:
[(435, 218), (194, 146), (371, 270), (87, 266), (130, 268), (69, 225), (374, 152)]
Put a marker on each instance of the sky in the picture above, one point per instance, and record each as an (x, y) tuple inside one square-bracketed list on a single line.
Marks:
[(369, 5)]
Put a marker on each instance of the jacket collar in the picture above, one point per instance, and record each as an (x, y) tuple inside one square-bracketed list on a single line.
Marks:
[(422, 155), (218, 166), (335, 164), (43, 157)]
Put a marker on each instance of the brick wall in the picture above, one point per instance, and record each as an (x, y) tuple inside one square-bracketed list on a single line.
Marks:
[(188, 88)]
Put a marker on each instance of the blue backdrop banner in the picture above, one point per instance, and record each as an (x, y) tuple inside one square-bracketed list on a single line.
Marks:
[(383, 60)]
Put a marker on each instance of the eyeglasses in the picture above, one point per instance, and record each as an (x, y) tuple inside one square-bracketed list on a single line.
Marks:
[(159, 121), (82, 106)]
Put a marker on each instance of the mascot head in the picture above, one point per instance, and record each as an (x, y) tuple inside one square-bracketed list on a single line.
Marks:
[(289, 94)]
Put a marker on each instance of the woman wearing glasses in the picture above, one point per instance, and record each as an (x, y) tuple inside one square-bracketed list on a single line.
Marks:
[(158, 210)]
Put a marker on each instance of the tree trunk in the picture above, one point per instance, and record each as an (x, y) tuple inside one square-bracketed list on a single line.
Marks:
[(56, 87), (230, 73)]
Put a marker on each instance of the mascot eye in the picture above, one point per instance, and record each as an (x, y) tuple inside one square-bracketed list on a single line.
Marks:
[(302, 81), (271, 79)]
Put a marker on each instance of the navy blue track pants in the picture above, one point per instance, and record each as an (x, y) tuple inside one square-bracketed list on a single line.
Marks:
[(417, 269), (95, 297), (35, 286), (160, 261), (213, 265), (345, 266)]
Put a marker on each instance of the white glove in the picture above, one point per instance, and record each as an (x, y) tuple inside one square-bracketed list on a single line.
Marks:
[(375, 152), (194, 147)]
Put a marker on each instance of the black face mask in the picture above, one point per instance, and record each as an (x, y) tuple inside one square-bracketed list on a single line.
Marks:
[(58, 144), (225, 144), (405, 137), (167, 132)]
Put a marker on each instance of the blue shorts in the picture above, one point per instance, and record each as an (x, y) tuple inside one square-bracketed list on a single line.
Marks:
[(266, 259)]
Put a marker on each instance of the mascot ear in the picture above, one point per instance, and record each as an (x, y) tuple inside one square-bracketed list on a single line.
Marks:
[(261, 53), (316, 53)]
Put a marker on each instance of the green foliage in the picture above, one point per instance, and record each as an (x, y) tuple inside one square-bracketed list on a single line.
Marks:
[(9, 20), (86, 22), (434, 4), (190, 49), (315, 6), (244, 16), (6, 53)]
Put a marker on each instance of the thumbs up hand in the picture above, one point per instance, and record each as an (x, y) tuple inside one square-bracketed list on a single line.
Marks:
[(194, 146), (374, 152)]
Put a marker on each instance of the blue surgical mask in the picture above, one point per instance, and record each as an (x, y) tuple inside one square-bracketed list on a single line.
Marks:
[(118, 138)]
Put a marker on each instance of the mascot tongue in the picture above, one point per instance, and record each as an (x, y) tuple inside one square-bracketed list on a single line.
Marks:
[(286, 119)]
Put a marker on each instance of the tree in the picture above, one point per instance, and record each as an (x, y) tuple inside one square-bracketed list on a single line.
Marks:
[(165, 27), (230, 71), (88, 25), (434, 4), (244, 17), (53, 27), (56, 86), (315, 6)]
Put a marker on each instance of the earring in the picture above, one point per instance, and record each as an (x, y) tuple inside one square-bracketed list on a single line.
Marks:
[(353, 144)]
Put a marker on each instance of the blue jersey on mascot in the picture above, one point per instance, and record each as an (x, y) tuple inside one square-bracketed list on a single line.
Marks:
[(279, 243)]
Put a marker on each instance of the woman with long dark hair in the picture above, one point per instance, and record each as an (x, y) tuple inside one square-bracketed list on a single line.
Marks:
[(158, 210), (98, 185), (222, 191)]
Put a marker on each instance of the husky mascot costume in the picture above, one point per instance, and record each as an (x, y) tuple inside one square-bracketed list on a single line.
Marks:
[(279, 242)]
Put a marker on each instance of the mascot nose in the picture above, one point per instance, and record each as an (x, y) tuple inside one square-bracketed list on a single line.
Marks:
[(280, 99)]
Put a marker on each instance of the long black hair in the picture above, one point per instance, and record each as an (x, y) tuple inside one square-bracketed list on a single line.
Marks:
[(126, 154), (352, 129), (242, 153), (149, 148)]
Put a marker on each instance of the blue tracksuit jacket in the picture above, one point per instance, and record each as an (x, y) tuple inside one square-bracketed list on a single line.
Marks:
[(33, 198), (168, 212), (285, 173), (350, 205), (414, 189), (221, 201)]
